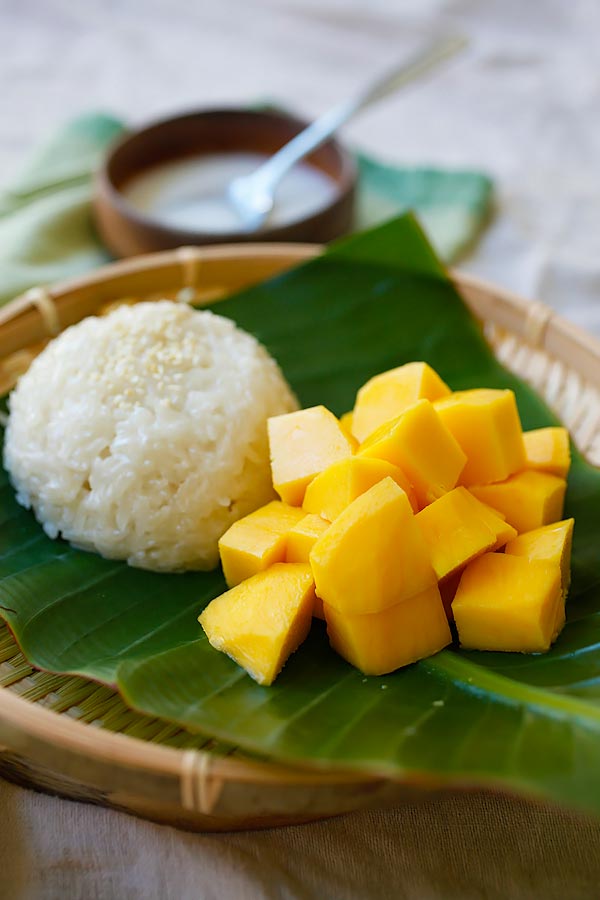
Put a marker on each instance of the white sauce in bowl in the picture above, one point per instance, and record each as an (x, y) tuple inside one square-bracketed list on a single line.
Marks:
[(189, 194)]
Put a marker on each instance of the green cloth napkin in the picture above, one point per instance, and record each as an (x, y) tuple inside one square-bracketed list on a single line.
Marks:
[(47, 232)]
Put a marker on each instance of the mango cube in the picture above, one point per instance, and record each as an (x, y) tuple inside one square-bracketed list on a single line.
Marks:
[(302, 537), (552, 543), (300, 541), (373, 555), (346, 423), (483, 513), (275, 516), (419, 444), (262, 621), (498, 524), (506, 602), (381, 642), (334, 489), (548, 450), (387, 395), (302, 444), (454, 531), (257, 541), (528, 500), (486, 424)]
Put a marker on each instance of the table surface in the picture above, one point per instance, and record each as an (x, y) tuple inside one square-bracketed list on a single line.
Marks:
[(521, 104)]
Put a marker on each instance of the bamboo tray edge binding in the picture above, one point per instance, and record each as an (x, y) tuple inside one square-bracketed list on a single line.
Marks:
[(191, 787)]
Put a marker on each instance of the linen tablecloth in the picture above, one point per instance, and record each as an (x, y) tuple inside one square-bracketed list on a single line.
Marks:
[(522, 103)]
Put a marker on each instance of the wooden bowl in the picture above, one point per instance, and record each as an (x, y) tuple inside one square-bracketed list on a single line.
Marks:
[(52, 735), (127, 231)]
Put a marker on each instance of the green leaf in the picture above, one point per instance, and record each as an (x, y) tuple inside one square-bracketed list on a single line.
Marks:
[(530, 723)]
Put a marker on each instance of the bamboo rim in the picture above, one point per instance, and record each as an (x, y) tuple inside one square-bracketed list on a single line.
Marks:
[(526, 335), (43, 311)]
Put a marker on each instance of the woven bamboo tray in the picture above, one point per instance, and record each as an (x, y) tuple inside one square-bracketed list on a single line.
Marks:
[(76, 738)]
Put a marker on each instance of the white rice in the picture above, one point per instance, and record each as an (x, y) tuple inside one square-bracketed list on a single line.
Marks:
[(142, 435)]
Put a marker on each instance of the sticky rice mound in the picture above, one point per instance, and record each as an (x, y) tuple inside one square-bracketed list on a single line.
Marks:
[(142, 435)]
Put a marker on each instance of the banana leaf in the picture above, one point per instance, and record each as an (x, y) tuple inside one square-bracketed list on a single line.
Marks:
[(524, 723)]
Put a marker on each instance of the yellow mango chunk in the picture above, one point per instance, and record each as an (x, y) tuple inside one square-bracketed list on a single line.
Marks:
[(502, 532), (302, 444), (275, 516), (334, 489), (346, 423), (552, 543), (257, 541), (505, 602), (387, 395), (384, 641), (528, 500), (486, 424), (302, 537), (548, 450), (498, 524), (373, 555), (454, 531), (422, 447), (262, 621), (300, 541)]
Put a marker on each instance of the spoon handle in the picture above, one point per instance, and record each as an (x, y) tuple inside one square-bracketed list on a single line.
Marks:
[(271, 172)]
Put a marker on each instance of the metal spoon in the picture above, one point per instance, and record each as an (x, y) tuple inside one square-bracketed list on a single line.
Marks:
[(253, 196)]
